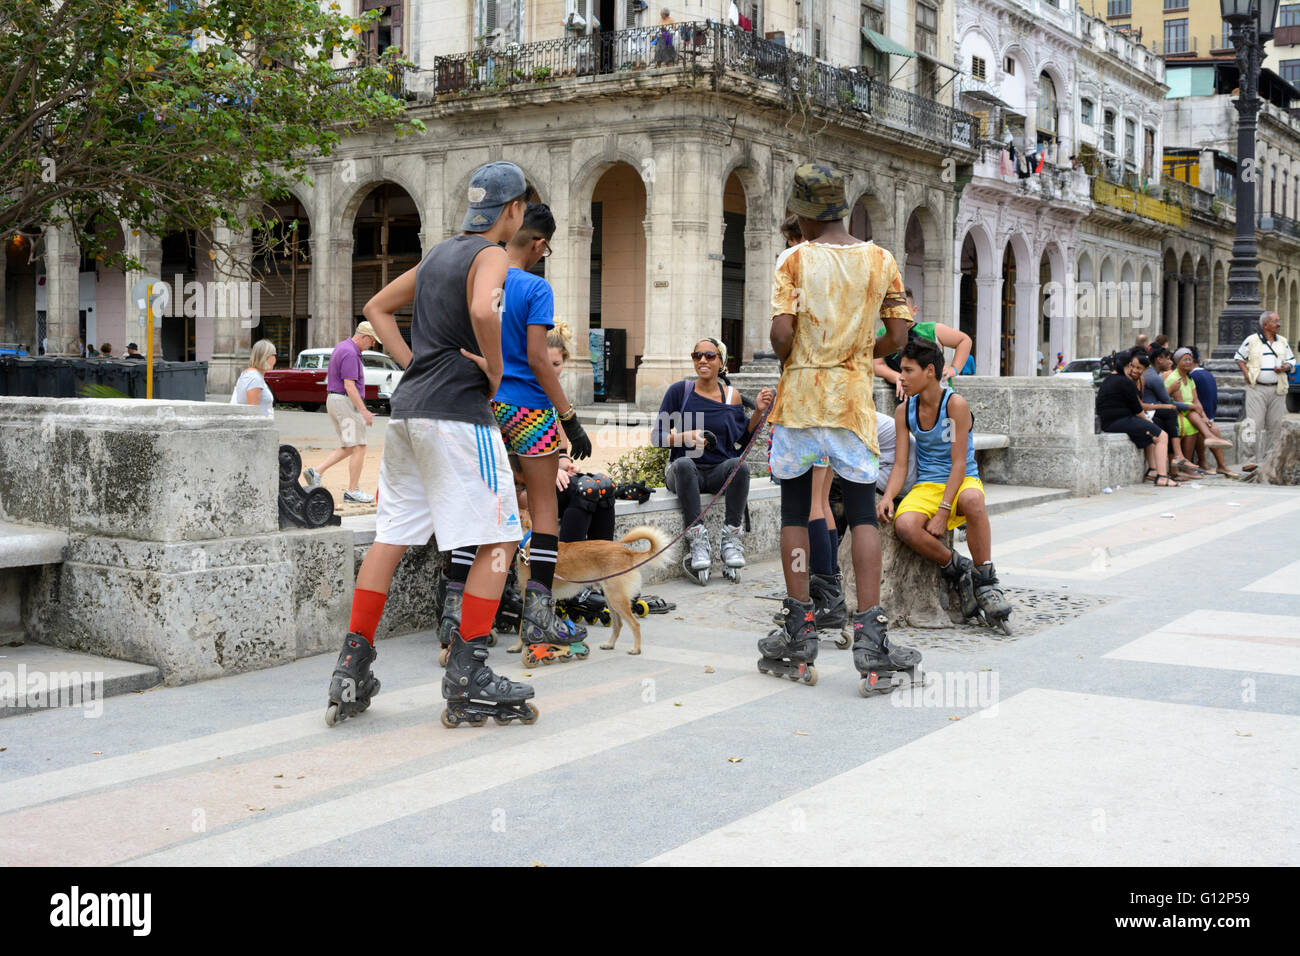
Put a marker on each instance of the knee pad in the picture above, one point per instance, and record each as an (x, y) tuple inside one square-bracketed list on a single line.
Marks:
[(633, 491), (592, 490)]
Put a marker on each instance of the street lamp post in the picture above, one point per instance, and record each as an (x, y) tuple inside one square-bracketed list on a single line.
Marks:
[(1252, 23)]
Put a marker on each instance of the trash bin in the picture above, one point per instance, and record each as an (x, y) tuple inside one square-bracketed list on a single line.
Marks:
[(50, 377), (5, 364), (116, 375), (180, 381)]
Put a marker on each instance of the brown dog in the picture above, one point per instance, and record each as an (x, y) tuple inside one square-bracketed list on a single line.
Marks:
[(584, 560)]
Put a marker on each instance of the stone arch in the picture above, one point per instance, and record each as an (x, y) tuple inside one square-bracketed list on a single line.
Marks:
[(916, 258), (347, 210), (1148, 301), (385, 243), (283, 268), (617, 266), (976, 294)]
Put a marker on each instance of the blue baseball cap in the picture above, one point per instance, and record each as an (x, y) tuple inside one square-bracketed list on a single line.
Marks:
[(490, 188)]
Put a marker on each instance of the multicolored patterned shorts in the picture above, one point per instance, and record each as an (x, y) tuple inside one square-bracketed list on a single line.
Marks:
[(530, 432)]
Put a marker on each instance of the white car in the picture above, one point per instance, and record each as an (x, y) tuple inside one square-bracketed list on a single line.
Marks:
[(381, 370), (1084, 369)]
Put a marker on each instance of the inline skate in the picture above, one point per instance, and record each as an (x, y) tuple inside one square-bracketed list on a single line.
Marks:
[(352, 685), (449, 623), (542, 643), (830, 612), (733, 553), (473, 693), (884, 666), (509, 611), (993, 605), (587, 605), (696, 561), (957, 572), (789, 650)]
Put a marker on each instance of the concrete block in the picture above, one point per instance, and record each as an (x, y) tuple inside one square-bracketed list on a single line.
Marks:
[(193, 610), (149, 471), (322, 578)]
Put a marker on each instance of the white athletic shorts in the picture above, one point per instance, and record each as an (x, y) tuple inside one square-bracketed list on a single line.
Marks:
[(795, 450), (447, 479)]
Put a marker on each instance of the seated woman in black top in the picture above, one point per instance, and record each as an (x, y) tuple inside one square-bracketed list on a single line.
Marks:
[(703, 423), (1120, 409)]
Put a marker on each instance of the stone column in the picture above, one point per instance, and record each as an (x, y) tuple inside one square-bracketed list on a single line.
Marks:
[(1063, 321), (1026, 344), (232, 269), (937, 307), (988, 324), (568, 270), (763, 243), (147, 249), (1169, 312), (683, 227), (331, 286), (62, 265), (1186, 313)]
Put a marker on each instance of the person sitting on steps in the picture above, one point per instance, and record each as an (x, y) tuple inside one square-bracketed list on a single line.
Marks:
[(703, 423)]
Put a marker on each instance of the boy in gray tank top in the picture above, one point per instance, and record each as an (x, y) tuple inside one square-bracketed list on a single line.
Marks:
[(444, 472)]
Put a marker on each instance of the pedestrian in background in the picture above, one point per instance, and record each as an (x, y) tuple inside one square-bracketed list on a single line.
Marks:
[(1265, 359), (251, 388), (345, 402)]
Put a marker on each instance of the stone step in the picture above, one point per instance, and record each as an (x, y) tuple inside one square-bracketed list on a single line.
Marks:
[(36, 677)]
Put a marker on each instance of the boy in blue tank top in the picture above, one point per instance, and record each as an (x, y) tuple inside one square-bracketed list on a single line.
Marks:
[(948, 492)]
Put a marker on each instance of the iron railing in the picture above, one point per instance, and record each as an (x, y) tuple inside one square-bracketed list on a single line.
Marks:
[(1280, 224), (702, 49), (392, 82)]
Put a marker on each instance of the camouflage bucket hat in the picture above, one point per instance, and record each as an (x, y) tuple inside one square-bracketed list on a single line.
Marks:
[(819, 193)]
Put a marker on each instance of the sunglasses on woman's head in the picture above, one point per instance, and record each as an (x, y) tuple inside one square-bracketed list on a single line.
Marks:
[(696, 356)]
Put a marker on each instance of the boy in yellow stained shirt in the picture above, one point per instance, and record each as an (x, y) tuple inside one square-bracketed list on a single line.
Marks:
[(828, 295)]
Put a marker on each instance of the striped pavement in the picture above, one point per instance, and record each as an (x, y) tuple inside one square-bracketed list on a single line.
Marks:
[(1159, 726)]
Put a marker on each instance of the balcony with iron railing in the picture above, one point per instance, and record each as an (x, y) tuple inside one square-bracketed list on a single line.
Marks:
[(1194, 200), (723, 53), (1279, 224), (1137, 202), (393, 81)]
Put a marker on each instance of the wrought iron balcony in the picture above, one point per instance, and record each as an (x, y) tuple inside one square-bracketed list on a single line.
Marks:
[(391, 82), (702, 49), (1282, 224)]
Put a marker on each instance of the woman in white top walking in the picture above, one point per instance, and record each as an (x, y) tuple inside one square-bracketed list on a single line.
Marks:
[(251, 389)]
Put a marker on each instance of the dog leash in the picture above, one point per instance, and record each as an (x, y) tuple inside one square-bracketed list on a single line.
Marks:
[(681, 534)]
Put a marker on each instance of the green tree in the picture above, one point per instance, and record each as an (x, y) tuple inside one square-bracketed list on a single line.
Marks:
[(175, 115)]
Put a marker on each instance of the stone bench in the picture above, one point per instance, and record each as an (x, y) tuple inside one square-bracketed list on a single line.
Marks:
[(23, 550)]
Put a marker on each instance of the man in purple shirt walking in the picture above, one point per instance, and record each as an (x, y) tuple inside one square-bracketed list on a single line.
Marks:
[(346, 384)]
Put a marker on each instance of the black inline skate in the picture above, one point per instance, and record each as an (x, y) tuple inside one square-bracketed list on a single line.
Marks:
[(543, 643), (449, 623), (828, 604), (509, 612), (993, 605), (884, 666), (473, 693), (957, 572), (587, 605), (789, 650), (352, 685)]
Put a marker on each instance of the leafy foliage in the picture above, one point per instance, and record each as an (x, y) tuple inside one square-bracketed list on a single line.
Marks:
[(641, 464), (175, 115)]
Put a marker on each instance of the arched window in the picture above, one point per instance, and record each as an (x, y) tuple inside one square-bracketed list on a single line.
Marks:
[(1047, 112)]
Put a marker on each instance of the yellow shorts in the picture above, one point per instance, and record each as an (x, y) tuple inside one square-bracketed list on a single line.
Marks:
[(926, 496)]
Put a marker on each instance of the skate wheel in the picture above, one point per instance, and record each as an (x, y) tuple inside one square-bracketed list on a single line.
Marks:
[(477, 721), (532, 714), (449, 719), (606, 618), (762, 669), (491, 639), (331, 715), (842, 642), (443, 655), (810, 676), (641, 608), (501, 721), (1004, 625)]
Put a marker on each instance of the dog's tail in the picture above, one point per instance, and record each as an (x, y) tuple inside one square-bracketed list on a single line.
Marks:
[(657, 538)]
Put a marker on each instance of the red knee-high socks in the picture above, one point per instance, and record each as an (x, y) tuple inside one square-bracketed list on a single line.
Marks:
[(367, 607), (477, 615)]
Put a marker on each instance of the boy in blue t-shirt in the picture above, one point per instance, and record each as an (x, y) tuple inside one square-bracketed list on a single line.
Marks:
[(948, 492), (526, 406)]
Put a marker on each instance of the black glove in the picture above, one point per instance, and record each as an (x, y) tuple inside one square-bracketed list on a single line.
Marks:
[(710, 439), (633, 491), (579, 443)]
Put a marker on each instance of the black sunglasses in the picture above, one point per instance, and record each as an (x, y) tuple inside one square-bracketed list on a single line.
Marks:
[(696, 356)]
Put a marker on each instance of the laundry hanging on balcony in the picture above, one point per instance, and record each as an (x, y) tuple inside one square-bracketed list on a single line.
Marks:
[(1006, 167)]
